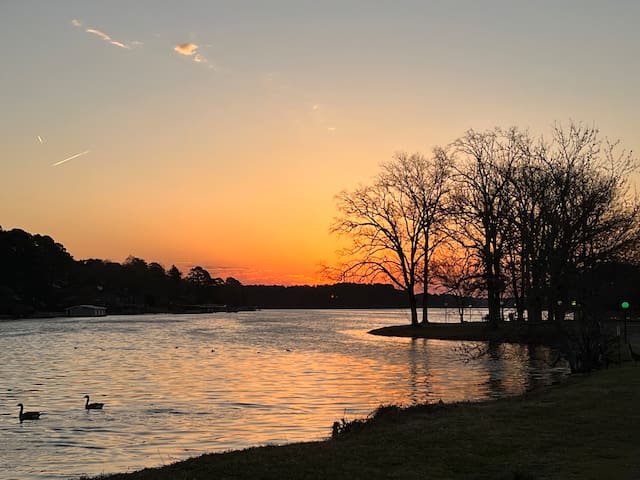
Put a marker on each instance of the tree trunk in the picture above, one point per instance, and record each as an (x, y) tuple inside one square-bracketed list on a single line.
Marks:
[(425, 283), (413, 306), (425, 313), (534, 300), (494, 307), (493, 297)]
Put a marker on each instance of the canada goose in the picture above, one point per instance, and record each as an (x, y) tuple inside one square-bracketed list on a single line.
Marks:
[(27, 415), (92, 406)]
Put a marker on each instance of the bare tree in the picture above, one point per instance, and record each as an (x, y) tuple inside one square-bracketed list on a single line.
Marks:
[(459, 272), (589, 215), (392, 224), (484, 165), (525, 230), (569, 209), (528, 217), (425, 183)]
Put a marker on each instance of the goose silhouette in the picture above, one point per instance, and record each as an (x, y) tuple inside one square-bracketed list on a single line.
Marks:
[(27, 415), (92, 406)]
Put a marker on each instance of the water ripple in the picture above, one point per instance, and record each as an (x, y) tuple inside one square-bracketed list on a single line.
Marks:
[(177, 386)]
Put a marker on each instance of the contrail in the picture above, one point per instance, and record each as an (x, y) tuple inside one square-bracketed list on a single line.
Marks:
[(70, 158), (40, 139)]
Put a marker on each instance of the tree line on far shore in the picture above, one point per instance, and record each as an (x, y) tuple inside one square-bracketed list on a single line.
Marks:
[(39, 277), (550, 224)]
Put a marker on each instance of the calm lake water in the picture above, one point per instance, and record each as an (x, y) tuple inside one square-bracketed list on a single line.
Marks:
[(176, 386)]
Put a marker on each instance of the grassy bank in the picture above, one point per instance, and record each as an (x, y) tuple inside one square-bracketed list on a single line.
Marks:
[(585, 428)]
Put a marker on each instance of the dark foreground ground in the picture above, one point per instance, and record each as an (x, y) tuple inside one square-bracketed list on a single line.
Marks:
[(585, 428)]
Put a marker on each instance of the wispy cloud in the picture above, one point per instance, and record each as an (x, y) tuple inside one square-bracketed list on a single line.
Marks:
[(106, 38), (186, 49), (102, 35), (70, 158), (191, 50), (118, 44)]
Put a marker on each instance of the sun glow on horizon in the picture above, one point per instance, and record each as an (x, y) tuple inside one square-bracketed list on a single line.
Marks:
[(220, 134)]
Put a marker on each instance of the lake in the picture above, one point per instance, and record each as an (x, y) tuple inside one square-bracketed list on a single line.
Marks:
[(177, 386)]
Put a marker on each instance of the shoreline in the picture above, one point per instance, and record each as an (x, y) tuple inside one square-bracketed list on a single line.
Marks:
[(544, 333), (575, 429)]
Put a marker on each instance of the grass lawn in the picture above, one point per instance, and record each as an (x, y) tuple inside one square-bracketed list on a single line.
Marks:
[(585, 428)]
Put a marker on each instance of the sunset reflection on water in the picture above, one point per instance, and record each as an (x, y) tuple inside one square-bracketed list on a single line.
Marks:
[(178, 386)]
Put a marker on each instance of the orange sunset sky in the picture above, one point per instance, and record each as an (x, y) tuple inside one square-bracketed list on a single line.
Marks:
[(216, 133)]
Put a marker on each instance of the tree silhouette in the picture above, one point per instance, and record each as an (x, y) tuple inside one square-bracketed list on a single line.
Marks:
[(390, 224), (425, 183), (484, 164), (569, 210), (174, 274), (34, 270), (199, 276), (459, 272)]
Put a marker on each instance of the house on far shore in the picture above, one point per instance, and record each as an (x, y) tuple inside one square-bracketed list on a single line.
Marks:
[(86, 311)]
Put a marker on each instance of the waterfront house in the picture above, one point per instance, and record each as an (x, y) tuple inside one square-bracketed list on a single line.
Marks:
[(86, 311)]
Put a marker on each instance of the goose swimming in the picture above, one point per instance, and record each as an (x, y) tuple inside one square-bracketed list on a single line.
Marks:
[(27, 415), (92, 406)]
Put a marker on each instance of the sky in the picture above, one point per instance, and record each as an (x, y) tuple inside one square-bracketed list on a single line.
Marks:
[(217, 133)]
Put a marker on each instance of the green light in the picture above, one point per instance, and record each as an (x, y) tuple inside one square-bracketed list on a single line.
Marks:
[(624, 305)]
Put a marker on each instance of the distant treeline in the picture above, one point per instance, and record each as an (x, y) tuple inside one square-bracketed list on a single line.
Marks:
[(341, 295), (38, 277)]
